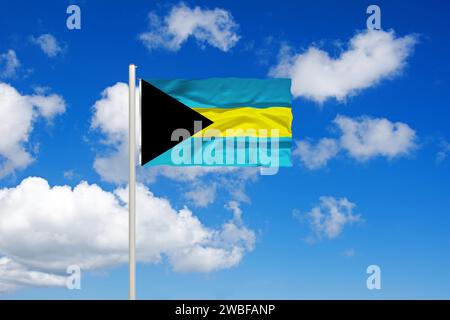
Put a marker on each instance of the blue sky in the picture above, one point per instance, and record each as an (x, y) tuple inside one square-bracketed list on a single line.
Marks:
[(400, 186)]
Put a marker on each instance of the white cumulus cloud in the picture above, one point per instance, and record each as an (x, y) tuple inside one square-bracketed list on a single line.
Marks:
[(48, 44), (9, 63), (48, 228), (111, 112), (364, 138), (110, 116), (235, 207), (328, 219), (371, 56), (19, 113), (202, 195), (316, 156), (215, 27), (361, 138), (13, 275)]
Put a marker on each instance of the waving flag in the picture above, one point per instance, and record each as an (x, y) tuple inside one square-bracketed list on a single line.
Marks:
[(216, 122)]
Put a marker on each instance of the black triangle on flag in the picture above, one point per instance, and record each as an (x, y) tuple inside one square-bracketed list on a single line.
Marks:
[(161, 114)]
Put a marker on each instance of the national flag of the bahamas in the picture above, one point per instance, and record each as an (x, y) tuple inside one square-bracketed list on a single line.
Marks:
[(248, 122)]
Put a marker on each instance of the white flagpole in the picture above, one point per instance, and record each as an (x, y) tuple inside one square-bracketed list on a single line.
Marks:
[(132, 181)]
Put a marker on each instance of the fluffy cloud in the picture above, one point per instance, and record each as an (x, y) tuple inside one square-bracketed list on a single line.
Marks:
[(371, 56), (202, 259), (361, 138), (48, 44), (328, 219), (216, 28), (87, 226), (110, 117), (235, 207), (111, 112), (8, 64), (364, 138), (202, 196), (18, 113), (316, 156), (13, 275)]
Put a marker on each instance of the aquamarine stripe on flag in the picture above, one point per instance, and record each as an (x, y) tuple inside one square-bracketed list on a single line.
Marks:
[(217, 152), (228, 92)]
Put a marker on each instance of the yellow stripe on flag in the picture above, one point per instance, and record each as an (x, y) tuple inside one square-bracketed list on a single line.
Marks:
[(246, 121)]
